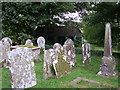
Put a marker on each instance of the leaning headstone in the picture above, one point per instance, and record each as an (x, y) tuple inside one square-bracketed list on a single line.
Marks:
[(49, 57), (5, 45), (21, 68), (61, 66), (86, 54), (41, 43), (28, 42), (69, 52), (107, 68)]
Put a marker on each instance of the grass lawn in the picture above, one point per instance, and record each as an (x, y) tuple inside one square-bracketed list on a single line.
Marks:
[(87, 72)]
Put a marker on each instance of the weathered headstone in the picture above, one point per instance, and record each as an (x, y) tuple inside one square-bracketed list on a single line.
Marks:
[(57, 47), (69, 52), (60, 64), (107, 68), (5, 45), (41, 43), (86, 54), (36, 54), (21, 67), (49, 57), (28, 42)]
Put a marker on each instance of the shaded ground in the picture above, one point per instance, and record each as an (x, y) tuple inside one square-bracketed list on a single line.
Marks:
[(87, 72)]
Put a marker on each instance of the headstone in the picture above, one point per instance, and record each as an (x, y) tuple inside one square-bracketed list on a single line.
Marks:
[(5, 45), (41, 43), (57, 47), (49, 57), (61, 66), (107, 68), (21, 68), (28, 42), (69, 52), (86, 54), (36, 54)]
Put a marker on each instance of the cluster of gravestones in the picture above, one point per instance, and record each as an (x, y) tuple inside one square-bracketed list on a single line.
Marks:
[(58, 61)]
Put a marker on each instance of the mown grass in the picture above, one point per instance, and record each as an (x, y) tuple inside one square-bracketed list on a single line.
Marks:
[(88, 72)]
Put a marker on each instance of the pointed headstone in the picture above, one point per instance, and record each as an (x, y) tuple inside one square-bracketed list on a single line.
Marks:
[(28, 42), (21, 68), (86, 54), (107, 68)]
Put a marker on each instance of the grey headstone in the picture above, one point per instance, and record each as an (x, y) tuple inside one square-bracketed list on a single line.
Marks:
[(69, 52), (49, 57), (61, 66), (107, 68), (86, 54), (41, 42), (28, 42), (21, 68), (5, 45)]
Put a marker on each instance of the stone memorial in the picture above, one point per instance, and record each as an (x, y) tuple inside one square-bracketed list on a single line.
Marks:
[(49, 57), (22, 73), (107, 68), (5, 45), (28, 42), (61, 66), (36, 54), (86, 54), (41, 43), (69, 52)]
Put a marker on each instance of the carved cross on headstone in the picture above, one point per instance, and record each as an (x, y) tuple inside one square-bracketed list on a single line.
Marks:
[(107, 68)]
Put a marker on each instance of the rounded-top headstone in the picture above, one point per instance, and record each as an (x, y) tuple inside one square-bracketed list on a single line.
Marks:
[(28, 42), (41, 42)]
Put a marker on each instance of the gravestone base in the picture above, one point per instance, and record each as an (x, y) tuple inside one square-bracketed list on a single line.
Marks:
[(87, 62), (107, 68)]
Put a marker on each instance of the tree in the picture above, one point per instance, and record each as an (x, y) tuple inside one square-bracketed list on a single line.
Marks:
[(19, 19), (98, 15)]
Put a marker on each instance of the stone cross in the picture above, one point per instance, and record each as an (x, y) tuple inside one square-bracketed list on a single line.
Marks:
[(28, 42), (5, 45), (86, 54), (41, 43), (21, 68), (69, 52), (107, 68)]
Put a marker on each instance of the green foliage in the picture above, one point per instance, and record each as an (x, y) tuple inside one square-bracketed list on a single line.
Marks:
[(95, 22), (19, 19), (88, 72)]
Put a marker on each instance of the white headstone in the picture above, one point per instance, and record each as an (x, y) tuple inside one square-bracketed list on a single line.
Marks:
[(28, 42), (21, 67)]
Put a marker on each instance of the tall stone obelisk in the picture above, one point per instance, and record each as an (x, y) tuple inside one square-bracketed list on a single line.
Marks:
[(107, 67)]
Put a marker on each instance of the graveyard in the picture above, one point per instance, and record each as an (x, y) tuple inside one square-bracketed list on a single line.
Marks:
[(58, 52)]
